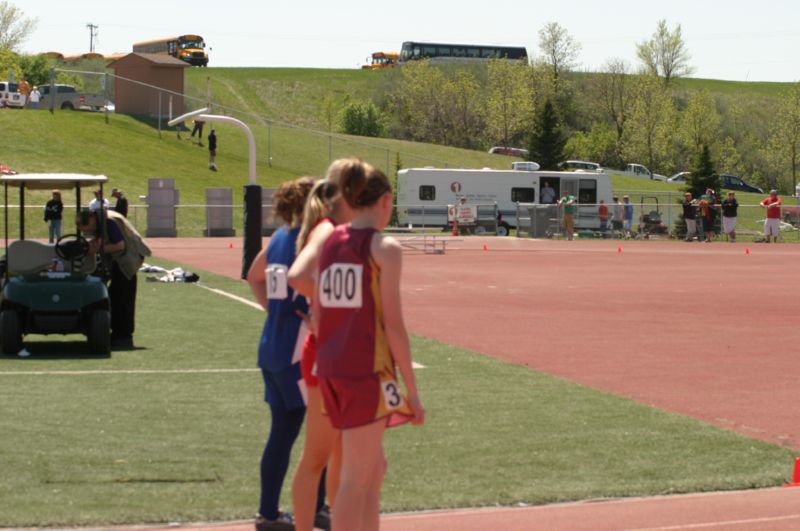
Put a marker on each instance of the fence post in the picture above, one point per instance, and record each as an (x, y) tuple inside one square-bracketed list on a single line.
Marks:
[(105, 96), (52, 90), (269, 144), (330, 148), (159, 114), (388, 170)]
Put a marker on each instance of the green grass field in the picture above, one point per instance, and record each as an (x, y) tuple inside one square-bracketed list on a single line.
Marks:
[(181, 442)]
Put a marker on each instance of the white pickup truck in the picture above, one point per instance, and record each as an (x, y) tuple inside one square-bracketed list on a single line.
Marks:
[(638, 170), (70, 99)]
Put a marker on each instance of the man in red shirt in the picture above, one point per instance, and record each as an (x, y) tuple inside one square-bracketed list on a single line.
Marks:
[(772, 225), (602, 213)]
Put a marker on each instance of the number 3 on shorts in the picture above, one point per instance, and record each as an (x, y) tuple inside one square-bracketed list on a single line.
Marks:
[(391, 394), (340, 286), (277, 284)]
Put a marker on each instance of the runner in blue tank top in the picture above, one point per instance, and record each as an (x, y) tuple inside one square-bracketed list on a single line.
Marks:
[(279, 352)]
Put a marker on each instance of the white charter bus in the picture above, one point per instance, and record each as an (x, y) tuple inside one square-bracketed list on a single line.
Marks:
[(423, 194)]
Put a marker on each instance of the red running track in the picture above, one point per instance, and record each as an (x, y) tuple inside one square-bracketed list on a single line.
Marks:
[(705, 330)]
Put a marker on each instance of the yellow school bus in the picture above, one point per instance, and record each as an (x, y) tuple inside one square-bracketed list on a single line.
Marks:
[(188, 48), (382, 60)]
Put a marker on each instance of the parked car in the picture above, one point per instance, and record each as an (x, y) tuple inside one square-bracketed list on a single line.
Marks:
[(510, 151), (68, 98), (680, 177), (580, 165), (732, 182), (638, 170), (9, 95)]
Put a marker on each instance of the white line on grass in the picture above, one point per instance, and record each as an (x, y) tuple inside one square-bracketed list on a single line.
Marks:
[(128, 371), (258, 307)]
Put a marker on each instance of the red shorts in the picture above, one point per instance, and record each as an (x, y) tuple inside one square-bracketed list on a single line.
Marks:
[(354, 402), (308, 360)]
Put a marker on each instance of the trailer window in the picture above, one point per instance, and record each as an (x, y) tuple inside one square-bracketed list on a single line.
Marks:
[(523, 195), (427, 193), (587, 191)]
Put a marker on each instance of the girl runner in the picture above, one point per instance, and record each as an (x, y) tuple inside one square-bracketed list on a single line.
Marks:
[(278, 351), (361, 337)]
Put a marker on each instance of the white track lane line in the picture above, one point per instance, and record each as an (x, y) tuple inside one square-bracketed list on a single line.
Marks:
[(723, 524)]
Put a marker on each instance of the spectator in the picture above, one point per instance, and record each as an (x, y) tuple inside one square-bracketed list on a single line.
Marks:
[(690, 216), (568, 202), (729, 211), (52, 214), (627, 224), (617, 214), (122, 252), (708, 206), (212, 150), (198, 128), (35, 98), (602, 213), (99, 201), (122, 202), (772, 225), (24, 90), (548, 195)]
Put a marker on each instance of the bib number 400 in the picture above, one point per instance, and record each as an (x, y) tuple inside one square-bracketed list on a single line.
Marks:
[(340, 286)]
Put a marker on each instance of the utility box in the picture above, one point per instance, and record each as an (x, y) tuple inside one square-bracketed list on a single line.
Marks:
[(269, 223), (162, 205), (219, 212)]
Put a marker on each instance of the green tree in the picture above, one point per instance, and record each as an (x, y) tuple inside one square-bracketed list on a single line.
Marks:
[(650, 125), (559, 51), (15, 27), (665, 54), (598, 145), (783, 144), (361, 118), (547, 141), (419, 103), (614, 94), (700, 122), (703, 174), (35, 68), (508, 104)]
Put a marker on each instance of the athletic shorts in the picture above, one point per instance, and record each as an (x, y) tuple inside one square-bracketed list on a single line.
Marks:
[(355, 402), (728, 224), (308, 361), (772, 227), (285, 389)]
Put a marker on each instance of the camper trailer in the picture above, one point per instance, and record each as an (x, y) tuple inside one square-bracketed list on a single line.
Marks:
[(423, 194)]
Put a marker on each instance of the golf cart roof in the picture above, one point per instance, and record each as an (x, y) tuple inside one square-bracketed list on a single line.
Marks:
[(48, 181)]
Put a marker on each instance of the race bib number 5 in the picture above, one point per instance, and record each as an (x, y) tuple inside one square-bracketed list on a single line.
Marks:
[(277, 283), (340, 286)]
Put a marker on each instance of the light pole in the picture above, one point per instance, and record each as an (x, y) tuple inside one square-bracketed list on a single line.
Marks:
[(252, 192)]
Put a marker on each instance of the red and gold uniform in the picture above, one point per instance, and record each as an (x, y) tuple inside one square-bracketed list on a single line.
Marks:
[(354, 364)]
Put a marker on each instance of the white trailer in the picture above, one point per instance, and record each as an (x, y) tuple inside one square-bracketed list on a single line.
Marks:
[(423, 194)]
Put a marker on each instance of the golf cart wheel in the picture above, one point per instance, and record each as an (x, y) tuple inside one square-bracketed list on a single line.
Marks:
[(10, 332), (99, 335), (502, 230)]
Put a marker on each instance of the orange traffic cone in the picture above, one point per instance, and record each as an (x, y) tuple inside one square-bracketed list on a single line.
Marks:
[(747, 251), (485, 247), (619, 249), (230, 246), (455, 227), (795, 476)]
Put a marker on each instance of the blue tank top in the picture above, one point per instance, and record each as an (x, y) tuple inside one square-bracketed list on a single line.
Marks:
[(284, 332)]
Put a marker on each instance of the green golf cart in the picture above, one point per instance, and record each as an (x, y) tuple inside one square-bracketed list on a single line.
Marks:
[(48, 288)]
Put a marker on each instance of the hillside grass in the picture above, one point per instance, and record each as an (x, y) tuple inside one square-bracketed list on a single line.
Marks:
[(130, 151)]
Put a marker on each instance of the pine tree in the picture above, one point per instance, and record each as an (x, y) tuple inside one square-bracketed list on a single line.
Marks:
[(703, 176), (547, 141)]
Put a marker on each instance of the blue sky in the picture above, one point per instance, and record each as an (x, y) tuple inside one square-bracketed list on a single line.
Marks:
[(736, 40)]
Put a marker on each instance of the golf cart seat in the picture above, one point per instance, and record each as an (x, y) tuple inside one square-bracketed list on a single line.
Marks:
[(28, 256)]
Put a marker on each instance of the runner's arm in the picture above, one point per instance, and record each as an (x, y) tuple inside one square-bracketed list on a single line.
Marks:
[(257, 279)]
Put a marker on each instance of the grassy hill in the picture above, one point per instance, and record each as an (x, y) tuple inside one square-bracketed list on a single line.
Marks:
[(129, 152)]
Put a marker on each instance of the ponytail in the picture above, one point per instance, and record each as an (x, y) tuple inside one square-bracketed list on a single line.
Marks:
[(290, 199), (362, 184), (317, 206)]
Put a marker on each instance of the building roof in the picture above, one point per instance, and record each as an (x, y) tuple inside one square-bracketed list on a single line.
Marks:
[(158, 59)]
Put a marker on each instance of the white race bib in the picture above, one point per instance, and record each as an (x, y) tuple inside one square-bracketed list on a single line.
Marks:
[(391, 395), (277, 282), (340, 286)]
